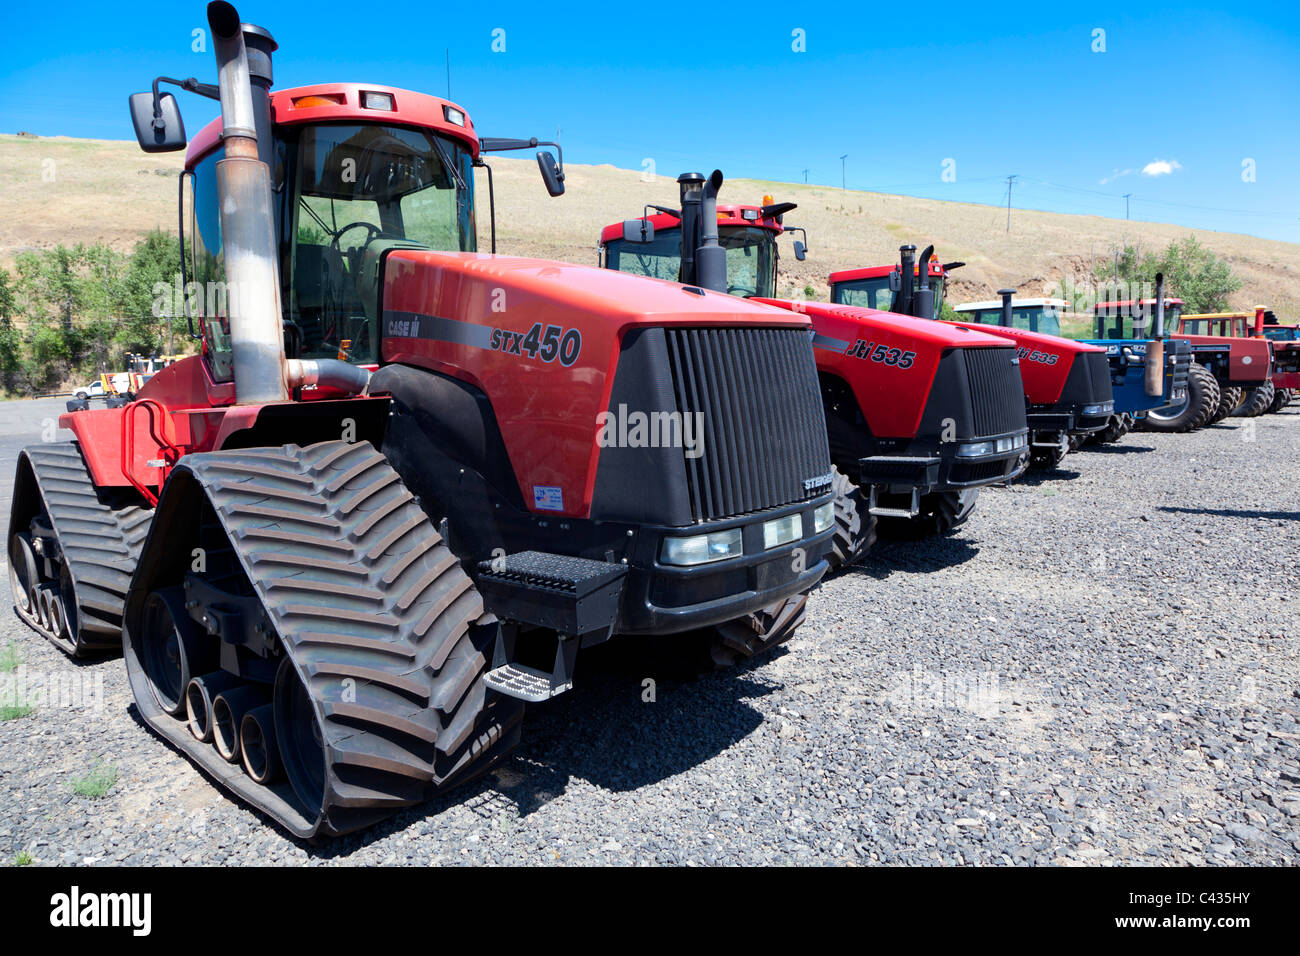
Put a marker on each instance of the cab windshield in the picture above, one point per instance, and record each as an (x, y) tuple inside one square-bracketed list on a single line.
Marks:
[(1029, 318), (751, 258), (360, 190), (874, 293)]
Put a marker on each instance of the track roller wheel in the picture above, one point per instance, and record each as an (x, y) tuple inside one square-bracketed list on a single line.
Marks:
[(171, 649), (22, 573), (855, 525), (258, 749)]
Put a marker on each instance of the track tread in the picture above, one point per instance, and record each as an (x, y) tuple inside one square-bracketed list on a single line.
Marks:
[(100, 539), (389, 610)]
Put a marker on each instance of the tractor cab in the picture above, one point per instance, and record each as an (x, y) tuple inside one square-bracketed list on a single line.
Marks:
[(356, 173), (652, 246), (1030, 315), (1126, 319), (881, 287)]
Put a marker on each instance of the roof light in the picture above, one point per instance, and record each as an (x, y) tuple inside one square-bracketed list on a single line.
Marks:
[(768, 200), (453, 115), (376, 101), (318, 99)]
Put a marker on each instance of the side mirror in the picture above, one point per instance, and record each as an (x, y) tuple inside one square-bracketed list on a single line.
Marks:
[(800, 252), (895, 281), (163, 133), (638, 230), (552, 175)]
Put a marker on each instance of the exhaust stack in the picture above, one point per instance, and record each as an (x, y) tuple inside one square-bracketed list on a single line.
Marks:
[(1155, 368), (247, 224), (907, 263), (1006, 295)]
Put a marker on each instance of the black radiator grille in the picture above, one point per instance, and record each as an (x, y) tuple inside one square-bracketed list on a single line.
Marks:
[(764, 430), (1182, 363), (1098, 367), (997, 395)]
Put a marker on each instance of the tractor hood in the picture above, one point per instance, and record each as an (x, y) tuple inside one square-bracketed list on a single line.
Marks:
[(545, 343), (851, 322), (1046, 361)]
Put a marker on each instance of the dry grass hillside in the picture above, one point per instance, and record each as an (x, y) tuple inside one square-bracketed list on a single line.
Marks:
[(109, 191)]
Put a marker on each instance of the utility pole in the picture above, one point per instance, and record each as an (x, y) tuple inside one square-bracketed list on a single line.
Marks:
[(448, 49), (843, 177), (1126, 199), (1010, 182), (805, 176)]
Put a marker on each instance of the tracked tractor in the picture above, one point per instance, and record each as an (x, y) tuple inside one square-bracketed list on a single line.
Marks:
[(1251, 400), (404, 484), (1065, 384), (919, 416), (1148, 372)]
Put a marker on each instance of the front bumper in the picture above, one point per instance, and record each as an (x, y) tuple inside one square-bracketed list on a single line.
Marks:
[(1070, 420), (944, 470), (661, 598)]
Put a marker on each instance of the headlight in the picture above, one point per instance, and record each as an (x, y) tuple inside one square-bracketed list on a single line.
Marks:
[(780, 531), (1011, 443), (703, 548), (824, 517), (975, 449), (1103, 408)]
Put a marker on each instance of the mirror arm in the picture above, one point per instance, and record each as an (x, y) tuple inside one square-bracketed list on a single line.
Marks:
[(191, 84), (496, 144)]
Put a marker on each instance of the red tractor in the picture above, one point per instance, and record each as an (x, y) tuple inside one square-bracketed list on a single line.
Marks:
[(1225, 367), (354, 573), (922, 415), (1250, 401), (1066, 384), (1286, 359)]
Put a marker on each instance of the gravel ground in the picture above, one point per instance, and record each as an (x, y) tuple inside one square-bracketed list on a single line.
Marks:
[(1099, 668)]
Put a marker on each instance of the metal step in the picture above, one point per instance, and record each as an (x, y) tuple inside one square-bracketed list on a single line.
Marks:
[(885, 512), (525, 683)]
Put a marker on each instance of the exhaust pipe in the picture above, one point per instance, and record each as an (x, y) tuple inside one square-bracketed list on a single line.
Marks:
[(228, 712), (198, 702), (1006, 295), (923, 301), (1259, 321), (907, 263), (1155, 369), (257, 745), (247, 224), (711, 258)]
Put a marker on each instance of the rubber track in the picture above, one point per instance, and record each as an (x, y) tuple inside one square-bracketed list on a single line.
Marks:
[(850, 542), (100, 544), (378, 617)]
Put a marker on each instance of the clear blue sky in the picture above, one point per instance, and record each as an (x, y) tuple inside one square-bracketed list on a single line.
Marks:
[(898, 87)]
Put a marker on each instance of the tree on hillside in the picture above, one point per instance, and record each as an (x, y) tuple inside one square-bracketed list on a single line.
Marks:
[(1192, 273), (11, 339), (155, 259)]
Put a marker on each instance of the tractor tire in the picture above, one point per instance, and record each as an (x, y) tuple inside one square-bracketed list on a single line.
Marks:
[(941, 513), (1229, 399), (855, 525), (1046, 459), (1195, 412), (83, 542), (756, 633), (1281, 398), (377, 639), (1116, 428), (1256, 402)]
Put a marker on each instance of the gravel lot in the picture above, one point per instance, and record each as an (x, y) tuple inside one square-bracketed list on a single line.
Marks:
[(1100, 668)]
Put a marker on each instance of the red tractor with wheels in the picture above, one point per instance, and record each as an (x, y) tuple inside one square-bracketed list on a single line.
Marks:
[(1066, 384), (338, 580), (1249, 401), (920, 416), (1286, 359)]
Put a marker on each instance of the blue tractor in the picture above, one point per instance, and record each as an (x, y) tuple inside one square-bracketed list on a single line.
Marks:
[(1134, 339)]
